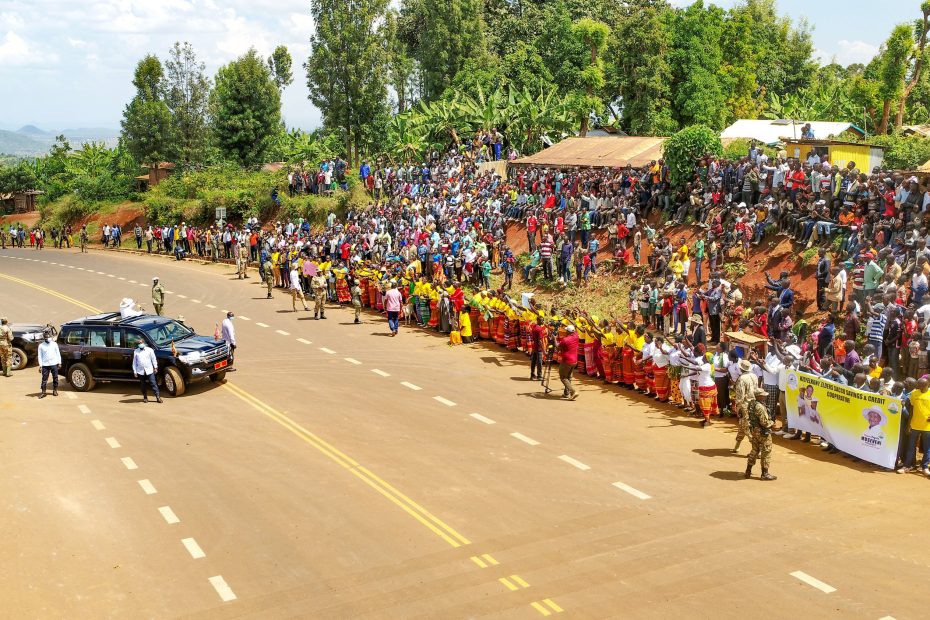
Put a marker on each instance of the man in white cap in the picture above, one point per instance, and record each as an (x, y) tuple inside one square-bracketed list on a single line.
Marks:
[(158, 295)]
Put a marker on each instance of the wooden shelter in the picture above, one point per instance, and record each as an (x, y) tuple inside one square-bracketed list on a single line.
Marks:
[(596, 152), (19, 202), (157, 173)]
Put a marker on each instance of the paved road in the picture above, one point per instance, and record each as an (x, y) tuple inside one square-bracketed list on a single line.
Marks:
[(340, 473)]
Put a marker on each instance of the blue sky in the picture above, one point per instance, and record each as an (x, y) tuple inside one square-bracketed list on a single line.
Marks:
[(69, 63)]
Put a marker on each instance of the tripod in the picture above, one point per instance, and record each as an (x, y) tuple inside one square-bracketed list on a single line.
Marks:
[(548, 373)]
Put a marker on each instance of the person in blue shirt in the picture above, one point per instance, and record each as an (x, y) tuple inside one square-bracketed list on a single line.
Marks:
[(593, 246), (364, 171)]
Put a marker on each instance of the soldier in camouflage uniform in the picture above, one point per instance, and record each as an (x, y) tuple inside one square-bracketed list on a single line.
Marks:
[(760, 428), (242, 259), (318, 286), (356, 293), (6, 347), (744, 397), (269, 277)]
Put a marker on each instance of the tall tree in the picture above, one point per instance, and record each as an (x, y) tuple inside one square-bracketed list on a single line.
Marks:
[(147, 129), (739, 66), (917, 58), (401, 66), (279, 64), (696, 59), (593, 35), (639, 71), (892, 68), (187, 95), (452, 32), (346, 70), (246, 109)]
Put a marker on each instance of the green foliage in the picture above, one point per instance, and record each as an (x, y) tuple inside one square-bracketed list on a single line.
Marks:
[(297, 146), (147, 125), (279, 65), (808, 256), (904, 152), (69, 211), (696, 58), (187, 95), (449, 32), (684, 147), (17, 178), (740, 148), (246, 110)]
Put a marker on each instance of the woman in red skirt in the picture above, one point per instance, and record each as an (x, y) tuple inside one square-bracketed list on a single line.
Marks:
[(661, 379)]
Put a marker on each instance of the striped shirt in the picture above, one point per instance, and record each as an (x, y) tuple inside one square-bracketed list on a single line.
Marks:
[(545, 249)]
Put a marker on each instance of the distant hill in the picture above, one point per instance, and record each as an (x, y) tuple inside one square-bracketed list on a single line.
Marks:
[(31, 141)]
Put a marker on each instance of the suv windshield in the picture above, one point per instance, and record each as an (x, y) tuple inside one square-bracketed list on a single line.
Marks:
[(167, 332)]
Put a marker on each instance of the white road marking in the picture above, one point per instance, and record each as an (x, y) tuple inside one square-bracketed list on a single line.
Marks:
[(282, 332), (211, 306), (169, 515), (631, 490), (261, 325), (97, 424), (182, 296), (814, 583), (380, 373), (196, 301), (225, 592), (170, 292), (407, 384), (83, 408), (129, 463), (110, 275), (71, 267), (481, 418), (70, 395), (303, 341), (524, 439), (352, 360), (148, 487), (143, 284), (444, 401), (244, 318), (133, 282), (111, 441), (574, 462), (101, 273), (887, 618), (193, 548), (121, 278), (329, 351)]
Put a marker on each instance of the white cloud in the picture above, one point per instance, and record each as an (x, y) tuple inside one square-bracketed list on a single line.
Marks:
[(15, 51), (848, 52), (12, 21)]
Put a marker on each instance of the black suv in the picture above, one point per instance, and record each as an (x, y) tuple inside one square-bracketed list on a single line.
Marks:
[(101, 348), (26, 339)]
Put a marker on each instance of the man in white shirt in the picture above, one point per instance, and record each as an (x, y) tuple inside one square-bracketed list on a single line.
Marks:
[(145, 367), (229, 335), (49, 363)]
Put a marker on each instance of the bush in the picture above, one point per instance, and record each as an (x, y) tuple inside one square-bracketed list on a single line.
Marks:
[(683, 148), (903, 153), (739, 148), (734, 271)]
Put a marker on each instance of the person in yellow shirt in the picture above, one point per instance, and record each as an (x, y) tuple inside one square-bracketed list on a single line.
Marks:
[(920, 429), (676, 266)]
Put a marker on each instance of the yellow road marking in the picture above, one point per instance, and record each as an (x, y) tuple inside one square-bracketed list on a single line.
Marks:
[(551, 603), (426, 518), (61, 296), (538, 607), (478, 561), (508, 584), (490, 559), (520, 580)]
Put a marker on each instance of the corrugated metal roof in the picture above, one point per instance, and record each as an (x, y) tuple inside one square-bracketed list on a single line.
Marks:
[(597, 152), (769, 131)]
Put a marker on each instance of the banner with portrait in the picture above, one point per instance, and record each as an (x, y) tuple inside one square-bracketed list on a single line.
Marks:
[(864, 424)]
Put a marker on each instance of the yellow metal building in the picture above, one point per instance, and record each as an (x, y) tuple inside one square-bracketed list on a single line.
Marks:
[(839, 153)]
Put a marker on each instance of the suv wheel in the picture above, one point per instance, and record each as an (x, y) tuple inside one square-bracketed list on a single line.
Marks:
[(18, 359), (80, 378), (174, 382)]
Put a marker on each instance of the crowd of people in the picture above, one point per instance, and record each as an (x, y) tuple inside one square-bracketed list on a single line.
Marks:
[(425, 249)]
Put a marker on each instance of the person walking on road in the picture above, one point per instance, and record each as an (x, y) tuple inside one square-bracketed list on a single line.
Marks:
[(568, 346), (145, 367), (49, 363), (744, 397), (158, 295), (242, 260), (296, 290), (229, 335), (6, 346), (318, 286), (84, 239), (760, 428), (393, 302)]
